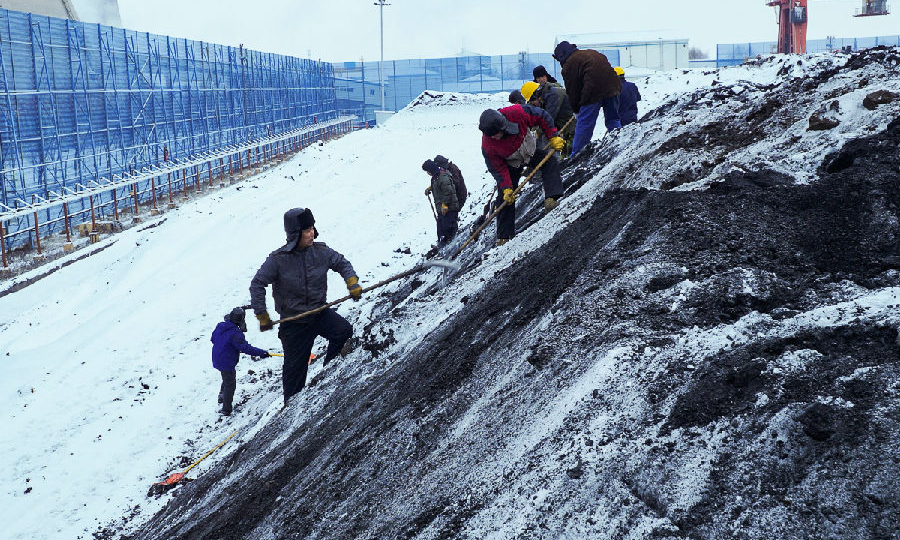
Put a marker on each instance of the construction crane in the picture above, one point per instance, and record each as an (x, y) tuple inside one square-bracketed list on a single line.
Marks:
[(792, 18)]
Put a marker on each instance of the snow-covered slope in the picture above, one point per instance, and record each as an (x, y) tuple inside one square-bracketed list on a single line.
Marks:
[(715, 358)]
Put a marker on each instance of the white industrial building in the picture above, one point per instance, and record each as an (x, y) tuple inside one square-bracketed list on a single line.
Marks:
[(92, 11), (653, 50)]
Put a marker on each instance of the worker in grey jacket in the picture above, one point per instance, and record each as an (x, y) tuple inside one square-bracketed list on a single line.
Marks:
[(446, 203), (298, 272)]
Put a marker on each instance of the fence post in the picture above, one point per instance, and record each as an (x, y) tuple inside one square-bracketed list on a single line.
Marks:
[(153, 190), (66, 222), (37, 234), (3, 244), (93, 219), (171, 202), (115, 204)]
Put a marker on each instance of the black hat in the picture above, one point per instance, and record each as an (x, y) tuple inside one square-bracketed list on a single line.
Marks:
[(430, 167), (492, 122), (237, 316), (516, 98), (563, 51), (298, 219), (441, 161), (539, 71)]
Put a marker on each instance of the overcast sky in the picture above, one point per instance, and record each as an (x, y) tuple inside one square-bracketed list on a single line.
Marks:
[(342, 30)]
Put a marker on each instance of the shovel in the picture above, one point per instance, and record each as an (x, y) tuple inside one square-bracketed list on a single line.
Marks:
[(414, 270), (431, 204), (312, 357), (172, 480)]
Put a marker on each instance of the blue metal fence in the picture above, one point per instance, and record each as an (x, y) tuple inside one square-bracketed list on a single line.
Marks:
[(732, 54), (83, 102), (358, 83)]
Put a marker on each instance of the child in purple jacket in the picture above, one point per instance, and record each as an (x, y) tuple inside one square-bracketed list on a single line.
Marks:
[(228, 344)]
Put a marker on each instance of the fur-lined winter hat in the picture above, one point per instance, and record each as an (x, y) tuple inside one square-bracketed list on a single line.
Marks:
[(492, 122), (430, 167)]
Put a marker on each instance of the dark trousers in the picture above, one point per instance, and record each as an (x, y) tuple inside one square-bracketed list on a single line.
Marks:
[(553, 188), (447, 225), (297, 338), (226, 391)]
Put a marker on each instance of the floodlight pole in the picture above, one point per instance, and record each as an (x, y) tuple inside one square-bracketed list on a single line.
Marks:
[(381, 4)]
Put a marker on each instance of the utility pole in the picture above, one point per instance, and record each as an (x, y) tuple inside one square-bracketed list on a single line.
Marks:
[(381, 4)]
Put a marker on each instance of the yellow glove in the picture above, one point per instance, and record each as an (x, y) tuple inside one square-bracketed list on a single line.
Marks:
[(509, 196), (557, 143), (428, 190), (265, 323), (354, 287), (444, 209)]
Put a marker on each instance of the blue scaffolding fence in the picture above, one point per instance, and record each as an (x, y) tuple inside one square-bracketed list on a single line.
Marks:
[(358, 84), (94, 119)]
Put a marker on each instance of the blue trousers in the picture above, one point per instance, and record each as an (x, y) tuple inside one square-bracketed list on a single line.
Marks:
[(447, 224), (587, 119)]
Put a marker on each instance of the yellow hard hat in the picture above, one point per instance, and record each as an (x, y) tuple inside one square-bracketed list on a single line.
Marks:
[(528, 89), (620, 71)]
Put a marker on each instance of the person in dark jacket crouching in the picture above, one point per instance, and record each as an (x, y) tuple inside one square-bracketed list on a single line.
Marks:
[(446, 204), (298, 272), (591, 84), (628, 109), (228, 344)]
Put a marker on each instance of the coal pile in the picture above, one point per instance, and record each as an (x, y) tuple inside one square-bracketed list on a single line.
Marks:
[(709, 349)]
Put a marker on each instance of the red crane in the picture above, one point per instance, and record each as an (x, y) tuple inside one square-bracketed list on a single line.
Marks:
[(791, 25), (792, 17)]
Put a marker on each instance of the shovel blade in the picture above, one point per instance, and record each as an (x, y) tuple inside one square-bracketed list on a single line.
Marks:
[(450, 265), (173, 478)]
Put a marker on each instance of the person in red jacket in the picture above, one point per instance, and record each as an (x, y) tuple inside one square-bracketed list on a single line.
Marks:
[(508, 146)]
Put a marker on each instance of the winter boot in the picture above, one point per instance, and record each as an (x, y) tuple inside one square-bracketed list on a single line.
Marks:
[(501, 241), (550, 203)]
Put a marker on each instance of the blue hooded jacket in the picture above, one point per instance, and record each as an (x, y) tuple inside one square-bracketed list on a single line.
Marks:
[(228, 344), (628, 110)]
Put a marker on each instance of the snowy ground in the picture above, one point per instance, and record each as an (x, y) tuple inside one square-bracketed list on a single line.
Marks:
[(106, 379)]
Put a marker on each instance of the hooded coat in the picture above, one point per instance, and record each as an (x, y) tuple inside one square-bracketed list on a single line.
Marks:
[(444, 191), (496, 151), (588, 76), (228, 344)]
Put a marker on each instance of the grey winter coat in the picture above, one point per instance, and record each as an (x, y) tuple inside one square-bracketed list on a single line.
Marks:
[(444, 191), (298, 278)]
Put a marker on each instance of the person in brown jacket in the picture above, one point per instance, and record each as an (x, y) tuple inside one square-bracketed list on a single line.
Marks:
[(591, 84)]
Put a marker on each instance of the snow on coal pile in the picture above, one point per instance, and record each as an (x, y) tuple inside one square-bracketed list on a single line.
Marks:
[(699, 342)]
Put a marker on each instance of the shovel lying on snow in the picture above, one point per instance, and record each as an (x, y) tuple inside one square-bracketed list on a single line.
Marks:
[(414, 270), (172, 480)]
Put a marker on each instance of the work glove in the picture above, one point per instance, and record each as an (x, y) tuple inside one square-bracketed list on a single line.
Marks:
[(509, 196), (557, 143), (265, 323), (444, 209), (354, 287), (428, 190)]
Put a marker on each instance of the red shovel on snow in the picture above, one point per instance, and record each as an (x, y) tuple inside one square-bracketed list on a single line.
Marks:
[(172, 480)]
